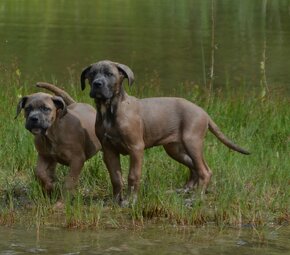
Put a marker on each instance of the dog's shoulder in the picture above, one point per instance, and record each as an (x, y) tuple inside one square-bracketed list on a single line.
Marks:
[(129, 103)]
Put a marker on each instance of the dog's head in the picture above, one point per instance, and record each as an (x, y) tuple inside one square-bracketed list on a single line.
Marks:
[(105, 78), (40, 111)]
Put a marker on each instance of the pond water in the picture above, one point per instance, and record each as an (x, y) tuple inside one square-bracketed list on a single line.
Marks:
[(166, 40), (205, 241)]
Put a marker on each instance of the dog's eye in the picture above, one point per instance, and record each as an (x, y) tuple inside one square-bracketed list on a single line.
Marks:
[(45, 109), (91, 75), (28, 109), (109, 74)]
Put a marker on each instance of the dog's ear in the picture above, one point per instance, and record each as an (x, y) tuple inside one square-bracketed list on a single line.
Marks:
[(126, 71), (60, 105), (84, 76), (21, 105)]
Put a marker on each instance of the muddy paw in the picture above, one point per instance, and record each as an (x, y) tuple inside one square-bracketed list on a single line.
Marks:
[(189, 202)]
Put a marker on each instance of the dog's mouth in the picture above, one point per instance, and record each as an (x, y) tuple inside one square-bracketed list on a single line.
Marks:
[(37, 131), (38, 127), (101, 93), (101, 96)]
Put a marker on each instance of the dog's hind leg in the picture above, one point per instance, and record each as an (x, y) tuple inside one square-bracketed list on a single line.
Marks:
[(178, 153), (134, 176), (194, 148)]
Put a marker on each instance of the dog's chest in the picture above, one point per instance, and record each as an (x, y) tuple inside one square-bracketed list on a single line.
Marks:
[(53, 150), (108, 132), (113, 136), (59, 154)]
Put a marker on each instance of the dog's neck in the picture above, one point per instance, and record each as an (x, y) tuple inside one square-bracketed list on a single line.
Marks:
[(51, 132), (107, 108)]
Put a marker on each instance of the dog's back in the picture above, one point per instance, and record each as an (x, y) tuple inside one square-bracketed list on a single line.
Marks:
[(164, 117)]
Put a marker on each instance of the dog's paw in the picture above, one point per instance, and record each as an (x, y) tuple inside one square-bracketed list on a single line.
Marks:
[(59, 205), (183, 190), (124, 203), (189, 202)]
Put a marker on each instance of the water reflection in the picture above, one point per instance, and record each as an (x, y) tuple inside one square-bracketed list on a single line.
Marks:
[(157, 240), (171, 38)]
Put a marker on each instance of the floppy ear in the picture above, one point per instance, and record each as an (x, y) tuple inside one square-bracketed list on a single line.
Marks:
[(20, 105), (60, 105), (84, 76), (127, 72)]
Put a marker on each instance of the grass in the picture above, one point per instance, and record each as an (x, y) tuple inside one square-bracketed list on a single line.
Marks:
[(244, 190)]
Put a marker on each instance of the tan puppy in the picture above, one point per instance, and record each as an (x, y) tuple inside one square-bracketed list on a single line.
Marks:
[(128, 125), (63, 132)]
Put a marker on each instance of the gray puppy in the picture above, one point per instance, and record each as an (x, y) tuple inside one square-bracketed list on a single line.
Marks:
[(63, 133), (128, 125)]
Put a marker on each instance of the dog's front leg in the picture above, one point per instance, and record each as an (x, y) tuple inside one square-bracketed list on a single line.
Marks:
[(71, 180), (112, 161), (136, 159), (45, 170)]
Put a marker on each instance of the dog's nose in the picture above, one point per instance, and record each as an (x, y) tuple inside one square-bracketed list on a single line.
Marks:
[(97, 84), (34, 119)]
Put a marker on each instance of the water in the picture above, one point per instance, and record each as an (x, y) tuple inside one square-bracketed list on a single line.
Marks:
[(165, 40), (205, 241)]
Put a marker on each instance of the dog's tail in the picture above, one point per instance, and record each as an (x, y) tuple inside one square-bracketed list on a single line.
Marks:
[(57, 91), (226, 141)]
